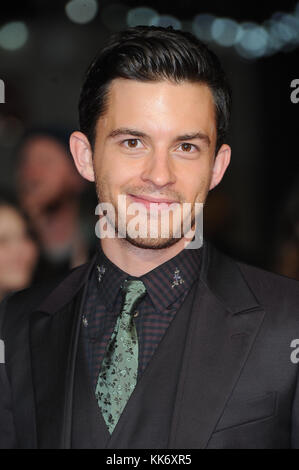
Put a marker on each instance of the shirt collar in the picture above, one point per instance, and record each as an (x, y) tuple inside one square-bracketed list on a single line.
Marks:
[(164, 284), (109, 279), (167, 282)]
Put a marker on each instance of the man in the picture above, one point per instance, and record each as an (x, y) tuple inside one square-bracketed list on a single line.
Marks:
[(153, 344)]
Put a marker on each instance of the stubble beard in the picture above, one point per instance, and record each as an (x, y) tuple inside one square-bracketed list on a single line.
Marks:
[(149, 243)]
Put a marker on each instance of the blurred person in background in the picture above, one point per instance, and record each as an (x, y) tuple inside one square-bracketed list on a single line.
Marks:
[(18, 250), (49, 190)]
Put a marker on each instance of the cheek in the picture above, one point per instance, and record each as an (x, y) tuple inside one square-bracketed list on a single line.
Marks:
[(193, 181), (116, 172)]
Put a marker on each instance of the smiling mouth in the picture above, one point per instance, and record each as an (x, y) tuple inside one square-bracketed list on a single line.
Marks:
[(150, 200)]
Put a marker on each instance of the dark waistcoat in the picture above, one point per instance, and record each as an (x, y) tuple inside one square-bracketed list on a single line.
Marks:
[(147, 417)]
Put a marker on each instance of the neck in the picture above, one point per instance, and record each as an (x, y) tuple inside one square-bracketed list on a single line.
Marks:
[(138, 261)]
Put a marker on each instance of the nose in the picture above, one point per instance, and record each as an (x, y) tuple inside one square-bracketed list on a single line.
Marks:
[(159, 169)]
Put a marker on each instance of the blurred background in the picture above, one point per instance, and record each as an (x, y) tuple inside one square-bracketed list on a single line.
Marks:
[(45, 48)]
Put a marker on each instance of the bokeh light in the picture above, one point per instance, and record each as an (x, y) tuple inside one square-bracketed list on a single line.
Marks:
[(275, 43), (202, 27), (167, 20), (286, 28), (81, 11), (253, 41), (13, 35), (141, 16), (225, 32)]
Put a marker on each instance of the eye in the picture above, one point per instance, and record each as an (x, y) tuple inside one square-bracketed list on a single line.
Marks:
[(186, 147), (131, 143)]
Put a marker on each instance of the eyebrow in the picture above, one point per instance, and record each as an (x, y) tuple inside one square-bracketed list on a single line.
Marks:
[(136, 133)]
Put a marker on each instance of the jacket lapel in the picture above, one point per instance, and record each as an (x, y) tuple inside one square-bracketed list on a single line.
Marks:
[(54, 331), (225, 320), (89, 430)]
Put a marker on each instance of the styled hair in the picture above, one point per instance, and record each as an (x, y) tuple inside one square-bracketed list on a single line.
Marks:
[(148, 54)]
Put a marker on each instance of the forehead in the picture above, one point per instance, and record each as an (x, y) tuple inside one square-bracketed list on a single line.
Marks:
[(160, 106)]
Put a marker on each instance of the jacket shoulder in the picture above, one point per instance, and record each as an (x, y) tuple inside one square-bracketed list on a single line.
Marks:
[(16, 307), (271, 287)]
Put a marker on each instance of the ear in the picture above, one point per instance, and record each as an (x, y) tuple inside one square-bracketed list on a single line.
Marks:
[(82, 155), (220, 165)]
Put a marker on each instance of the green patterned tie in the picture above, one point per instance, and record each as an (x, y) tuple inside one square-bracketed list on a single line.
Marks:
[(118, 374)]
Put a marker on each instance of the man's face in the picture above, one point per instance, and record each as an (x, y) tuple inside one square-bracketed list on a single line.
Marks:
[(156, 143)]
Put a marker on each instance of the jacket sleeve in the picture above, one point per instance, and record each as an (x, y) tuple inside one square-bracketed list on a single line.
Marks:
[(7, 428)]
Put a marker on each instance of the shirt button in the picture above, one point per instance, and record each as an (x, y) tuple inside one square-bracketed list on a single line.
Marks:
[(136, 313)]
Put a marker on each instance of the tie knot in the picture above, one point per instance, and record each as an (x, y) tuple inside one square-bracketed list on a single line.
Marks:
[(134, 291)]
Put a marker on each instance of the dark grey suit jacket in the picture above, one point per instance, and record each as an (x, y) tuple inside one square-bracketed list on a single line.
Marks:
[(237, 382)]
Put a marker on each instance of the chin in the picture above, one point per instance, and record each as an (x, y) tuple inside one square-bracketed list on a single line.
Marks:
[(152, 243)]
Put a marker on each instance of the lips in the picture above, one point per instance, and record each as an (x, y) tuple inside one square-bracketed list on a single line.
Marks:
[(147, 200)]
